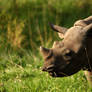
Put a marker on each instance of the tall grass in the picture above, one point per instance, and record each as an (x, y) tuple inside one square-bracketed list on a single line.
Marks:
[(32, 17)]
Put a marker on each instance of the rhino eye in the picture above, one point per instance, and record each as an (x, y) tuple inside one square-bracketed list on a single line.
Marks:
[(50, 55), (68, 55)]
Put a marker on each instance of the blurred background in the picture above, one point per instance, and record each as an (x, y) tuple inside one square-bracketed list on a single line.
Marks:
[(24, 23), (24, 27)]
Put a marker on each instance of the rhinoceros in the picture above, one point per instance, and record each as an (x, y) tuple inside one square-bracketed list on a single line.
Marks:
[(73, 53)]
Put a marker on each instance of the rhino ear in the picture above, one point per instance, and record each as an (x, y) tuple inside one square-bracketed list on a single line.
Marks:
[(45, 52), (61, 30)]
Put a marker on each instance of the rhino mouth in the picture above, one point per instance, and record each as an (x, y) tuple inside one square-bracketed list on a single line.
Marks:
[(61, 73), (54, 71), (57, 74), (68, 70)]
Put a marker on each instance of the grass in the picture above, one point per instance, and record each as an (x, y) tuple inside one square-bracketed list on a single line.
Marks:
[(23, 74), (24, 24)]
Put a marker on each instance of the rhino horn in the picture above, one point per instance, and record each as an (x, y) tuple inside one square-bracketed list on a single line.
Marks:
[(44, 51)]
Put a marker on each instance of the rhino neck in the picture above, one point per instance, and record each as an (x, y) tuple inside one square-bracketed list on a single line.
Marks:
[(88, 52)]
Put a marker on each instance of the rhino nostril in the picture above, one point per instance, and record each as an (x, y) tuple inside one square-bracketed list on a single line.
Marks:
[(49, 68), (44, 69)]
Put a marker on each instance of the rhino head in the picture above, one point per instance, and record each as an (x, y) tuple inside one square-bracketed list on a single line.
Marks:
[(68, 56)]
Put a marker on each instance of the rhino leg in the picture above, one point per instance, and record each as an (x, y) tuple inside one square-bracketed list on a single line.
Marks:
[(88, 75)]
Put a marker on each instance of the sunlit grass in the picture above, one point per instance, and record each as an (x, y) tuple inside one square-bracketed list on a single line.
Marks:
[(14, 77)]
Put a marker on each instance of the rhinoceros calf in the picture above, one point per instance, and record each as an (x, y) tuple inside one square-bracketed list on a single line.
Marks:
[(73, 53)]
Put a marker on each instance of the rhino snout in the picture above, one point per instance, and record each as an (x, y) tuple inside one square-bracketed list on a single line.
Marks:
[(48, 69), (44, 69)]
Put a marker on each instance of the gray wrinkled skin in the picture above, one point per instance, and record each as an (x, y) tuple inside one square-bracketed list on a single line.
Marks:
[(68, 56)]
